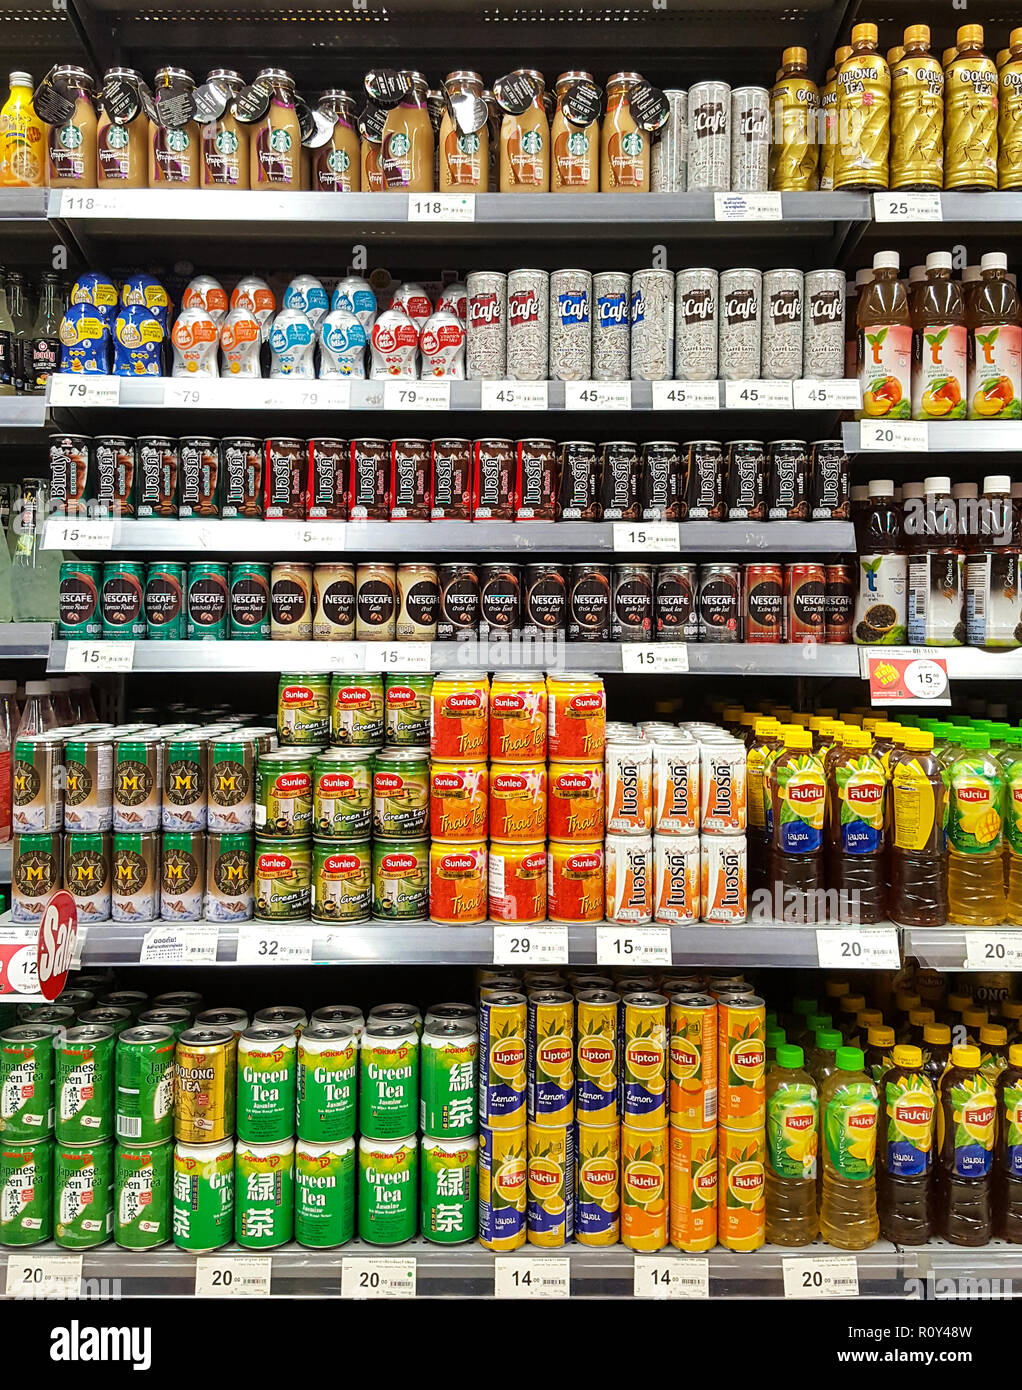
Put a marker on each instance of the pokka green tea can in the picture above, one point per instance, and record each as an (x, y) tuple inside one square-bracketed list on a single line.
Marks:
[(324, 1193)]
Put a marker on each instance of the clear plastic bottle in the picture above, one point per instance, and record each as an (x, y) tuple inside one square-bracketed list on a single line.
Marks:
[(821, 1061), (798, 793), (1008, 1170), (918, 813), (856, 844), (848, 1113), (939, 347), (37, 717), (975, 837), (81, 695), (880, 1044), (35, 578), (993, 1048), (792, 1125), (885, 342), (936, 1050), (63, 709), (775, 1038), (965, 1136), (908, 1108), (1011, 761), (994, 320), (847, 1020), (7, 334)]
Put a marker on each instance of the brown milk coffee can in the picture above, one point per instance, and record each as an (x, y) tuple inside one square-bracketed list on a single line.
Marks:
[(418, 603), (764, 603), (788, 491), (291, 603), (632, 604), (807, 598), (328, 480), (620, 468), (578, 497), (536, 480), (198, 476), (840, 604), (493, 480), (157, 476), (545, 606), (115, 463), (452, 480), (286, 464), (242, 462), (589, 598), (500, 600), (746, 470), (410, 480), (369, 485), (705, 491), (459, 601), (333, 587), (375, 603), (662, 481)]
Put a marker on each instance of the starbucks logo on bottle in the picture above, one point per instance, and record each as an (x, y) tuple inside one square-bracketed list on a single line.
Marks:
[(400, 144), (280, 141), (468, 144), (177, 140), (338, 161), (632, 143), (70, 137), (578, 143), (532, 142), (116, 137), (226, 142)]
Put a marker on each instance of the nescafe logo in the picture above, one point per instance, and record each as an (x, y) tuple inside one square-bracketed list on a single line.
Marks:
[(78, 599), (422, 602), (375, 602), (674, 600), (207, 600), (766, 603), (289, 602), (590, 602), (633, 603), (808, 604), (718, 602), (337, 603), (546, 602)]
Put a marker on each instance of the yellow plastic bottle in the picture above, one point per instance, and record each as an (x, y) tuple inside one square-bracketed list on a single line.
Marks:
[(863, 114), (22, 138), (970, 114), (848, 1115), (917, 114), (974, 834), (792, 1123)]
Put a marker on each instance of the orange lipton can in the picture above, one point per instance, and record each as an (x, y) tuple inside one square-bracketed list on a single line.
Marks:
[(692, 1060), (644, 1188), (517, 881), (576, 801), (694, 1188), (576, 717), (741, 1053), (460, 716), (457, 882), (518, 719), (741, 1188), (575, 888), (458, 800), (518, 797)]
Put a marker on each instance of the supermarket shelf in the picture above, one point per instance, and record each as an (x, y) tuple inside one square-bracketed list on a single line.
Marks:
[(22, 205), (6, 854), (22, 413), (986, 1271), (947, 947), (951, 437), (25, 641)]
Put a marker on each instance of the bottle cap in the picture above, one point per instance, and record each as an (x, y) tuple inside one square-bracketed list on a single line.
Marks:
[(920, 1017), (911, 491), (906, 1056), (937, 485), (856, 738), (965, 1056), (917, 33), (1015, 1054), (969, 33), (798, 738), (993, 1034), (869, 1018), (852, 1003), (939, 260), (864, 277), (37, 688), (975, 1018), (805, 1005), (20, 79), (881, 1036), (829, 1039), (916, 274), (997, 482), (790, 1056), (890, 260), (794, 55), (817, 1021), (957, 1003), (993, 260), (881, 487), (865, 33), (937, 1033), (775, 1038), (850, 1058)]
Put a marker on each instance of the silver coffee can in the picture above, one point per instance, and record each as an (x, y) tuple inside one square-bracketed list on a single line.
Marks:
[(823, 315), (612, 299), (741, 293), (695, 324), (486, 329), (750, 139), (668, 169), (709, 138), (528, 325), (571, 327), (783, 292), (652, 317)]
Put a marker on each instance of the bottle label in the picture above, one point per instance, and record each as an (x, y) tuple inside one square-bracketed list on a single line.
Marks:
[(939, 372), (974, 1111), (911, 1109), (803, 799), (917, 122), (792, 1116), (754, 788), (850, 1130), (936, 599), (1013, 806), (914, 808), (864, 118), (995, 373), (860, 788), (881, 605), (992, 599), (975, 800), (1012, 1122), (885, 355)]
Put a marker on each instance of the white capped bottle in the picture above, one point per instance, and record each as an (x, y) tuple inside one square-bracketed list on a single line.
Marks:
[(342, 346), (442, 344), (293, 346), (195, 338), (395, 346), (307, 294), (240, 340)]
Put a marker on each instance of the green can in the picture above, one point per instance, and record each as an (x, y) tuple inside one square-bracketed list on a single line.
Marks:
[(84, 1081), (342, 794), (144, 1105), (78, 600), (26, 1082), (231, 767), (401, 881), (189, 999), (388, 1172), (61, 1015), (400, 794), (112, 1016), (168, 1016), (283, 880), (283, 799), (83, 1195), (449, 1190), (208, 602), (184, 784), (250, 602), (142, 1192), (450, 1063), (26, 1192), (409, 701), (327, 1082), (87, 873), (133, 999), (182, 875), (138, 783), (356, 711), (78, 999), (203, 1196), (324, 1193), (166, 585), (35, 873), (342, 881), (264, 1194), (267, 1064), (122, 601), (389, 1080), (303, 711)]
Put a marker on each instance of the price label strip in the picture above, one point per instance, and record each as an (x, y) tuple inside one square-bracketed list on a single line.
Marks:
[(660, 1276), (84, 388), (417, 395), (820, 393), (758, 395), (858, 948), (894, 436), (747, 207), (233, 1276), (633, 945), (442, 207), (654, 656), (43, 1276), (397, 656), (686, 395), (907, 207), (529, 1277), (519, 395), (267, 945), (85, 533), (100, 656), (597, 395), (821, 1276), (366, 1277), (517, 945), (171, 945), (993, 950), (663, 536), (328, 535)]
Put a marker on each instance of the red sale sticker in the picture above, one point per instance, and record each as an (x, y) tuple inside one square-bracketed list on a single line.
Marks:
[(55, 948), (918, 677)]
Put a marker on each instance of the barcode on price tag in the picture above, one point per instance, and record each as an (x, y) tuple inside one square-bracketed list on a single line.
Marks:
[(85, 533), (43, 1276), (233, 1276), (617, 945), (99, 656), (993, 950), (858, 948), (528, 1277), (910, 436), (179, 945), (666, 1276), (821, 1276), (758, 395), (660, 656), (664, 536), (269, 945), (907, 207), (818, 393), (417, 395), (747, 207), (597, 395), (396, 656), (519, 395), (517, 945), (365, 1277), (84, 388), (686, 395), (442, 207)]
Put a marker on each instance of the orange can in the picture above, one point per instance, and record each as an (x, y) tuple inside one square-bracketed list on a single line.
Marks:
[(517, 800), (576, 717), (458, 800), (518, 719), (575, 890), (741, 1049), (457, 882), (693, 1188), (692, 1025), (517, 881), (460, 716), (644, 1194), (576, 801), (741, 1188)]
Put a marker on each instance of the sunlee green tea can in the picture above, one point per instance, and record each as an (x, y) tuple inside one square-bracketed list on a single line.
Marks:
[(26, 1192), (84, 1079), (389, 1080), (450, 1058), (264, 1197), (266, 1083), (142, 1192), (324, 1193), (83, 1189), (449, 1189), (387, 1189), (26, 1082), (203, 1195), (145, 1084), (327, 1082)]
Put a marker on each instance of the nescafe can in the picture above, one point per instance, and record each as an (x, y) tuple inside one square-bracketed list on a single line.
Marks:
[(746, 480), (410, 477), (452, 480), (578, 497), (788, 491), (291, 602), (157, 476), (632, 603), (418, 602), (612, 307), (782, 324), (242, 491), (807, 599), (250, 602), (493, 480), (739, 344), (840, 603), (70, 471), (830, 481), (661, 481), (705, 481), (369, 480), (284, 473), (571, 328), (709, 137), (115, 463), (78, 599), (619, 470), (486, 329), (652, 325), (764, 603), (500, 600), (328, 479), (122, 600), (528, 325), (208, 602), (675, 600), (164, 598), (719, 607), (589, 601), (545, 606), (375, 603), (459, 601), (333, 589), (198, 479), (696, 293), (535, 480)]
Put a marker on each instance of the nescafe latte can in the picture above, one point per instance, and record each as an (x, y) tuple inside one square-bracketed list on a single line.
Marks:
[(545, 600), (452, 480), (661, 482), (535, 480), (807, 602), (242, 491), (157, 476), (764, 603), (328, 479), (620, 468), (291, 600), (578, 497), (675, 599), (746, 470), (720, 603), (632, 603), (589, 598), (375, 603), (705, 482), (285, 467), (369, 480), (500, 600), (459, 601), (410, 479), (493, 480), (788, 492), (840, 603)]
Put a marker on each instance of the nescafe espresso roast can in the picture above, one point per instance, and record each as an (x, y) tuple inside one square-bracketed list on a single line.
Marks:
[(589, 599)]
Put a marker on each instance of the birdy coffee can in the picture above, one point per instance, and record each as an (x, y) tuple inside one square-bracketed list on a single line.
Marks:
[(750, 139), (782, 312), (486, 330)]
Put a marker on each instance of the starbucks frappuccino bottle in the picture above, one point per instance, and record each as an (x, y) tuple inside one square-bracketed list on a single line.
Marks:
[(370, 128), (828, 122), (525, 139), (337, 165), (122, 134), (624, 145), (970, 115), (1009, 116), (22, 138), (917, 114), (863, 114), (71, 146), (575, 161), (406, 150), (275, 149), (174, 150), (225, 140), (463, 144), (794, 103)]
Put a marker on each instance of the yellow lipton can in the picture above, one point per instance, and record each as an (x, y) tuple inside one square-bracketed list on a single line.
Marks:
[(597, 1184), (644, 1192), (502, 1026), (550, 1043), (693, 1061), (741, 1188), (642, 1044), (694, 1186), (596, 1056), (550, 1204), (502, 1187)]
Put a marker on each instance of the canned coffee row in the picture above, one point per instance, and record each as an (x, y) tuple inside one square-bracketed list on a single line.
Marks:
[(717, 140), (767, 602)]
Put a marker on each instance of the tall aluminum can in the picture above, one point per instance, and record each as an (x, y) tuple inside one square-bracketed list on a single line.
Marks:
[(823, 319), (668, 171), (611, 325), (696, 294), (750, 139), (486, 331), (740, 349), (652, 317), (528, 325), (782, 325), (709, 140), (571, 325)]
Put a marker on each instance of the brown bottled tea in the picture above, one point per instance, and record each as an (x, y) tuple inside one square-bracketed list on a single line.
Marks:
[(966, 1121), (906, 1124)]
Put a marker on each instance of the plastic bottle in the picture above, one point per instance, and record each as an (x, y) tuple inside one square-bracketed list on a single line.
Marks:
[(856, 846), (917, 114), (37, 717), (863, 114), (993, 316), (1011, 1014), (798, 792), (965, 1136), (918, 1020), (970, 114), (766, 740), (993, 1047), (848, 1111), (792, 1126), (1011, 761), (884, 360), (972, 1020), (63, 710), (1009, 115), (880, 1044), (936, 1050), (794, 102), (22, 138), (881, 606), (1008, 1169), (918, 812), (848, 1010), (975, 836), (821, 1059), (907, 1120), (939, 344), (35, 572), (775, 1038), (81, 692)]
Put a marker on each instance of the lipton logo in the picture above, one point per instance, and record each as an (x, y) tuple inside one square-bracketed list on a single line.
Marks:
[(978, 1116), (341, 863), (582, 863), (644, 1180), (510, 1177), (747, 1178), (584, 703), (510, 782), (397, 863), (974, 795), (684, 1057), (800, 1122), (554, 1055), (706, 1180), (448, 781), (913, 1114), (387, 782), (573, 782), (596, 1054), (508, 704), (400, 695), (292, 783), (274, 863), (863, 1120), (457, 863), (865, 793), (749, 1053), (462, 701), (598, 1172), (336, 783), (509, 1054), (295, 695), (644, 1054), (544, 1176), (802, 793), (353, 695)]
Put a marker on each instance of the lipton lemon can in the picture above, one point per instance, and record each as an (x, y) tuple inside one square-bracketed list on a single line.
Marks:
[(693, 1061), (550, 1206), (597, 1183), (502, 1187), (551, 1057), (693, 1188), (644, 1193), (741, 1188), (596, 1056), (741, 1052), (502, 1028), (642, 1047)]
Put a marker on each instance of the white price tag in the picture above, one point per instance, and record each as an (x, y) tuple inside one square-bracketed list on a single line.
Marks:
[(84, 388), (822, 393), (321, 395), (368, 1277), (617, 945), (686, 395), (531, 1277), (79, 533), (747, 207), (671, 1276), (416, 395), (188, 394), (820, 1276), (519, 395), (517, 945), (758, 395), (647, 535), (397, 656), (441, 207), (894, 436), (269, 944), (19, 972), (179, 945), (100, 656), (654, 656), (321, 535), (993, 950), (858, 948), (233, 1276), (597, 395), (43, 1276), (907, 207), (87, 204)]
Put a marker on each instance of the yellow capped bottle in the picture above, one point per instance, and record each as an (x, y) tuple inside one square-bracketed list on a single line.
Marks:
[(863, 114), (22, 138), (970, 115), (1009, 116), (917, 114), (828, 123), (794, 102)]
